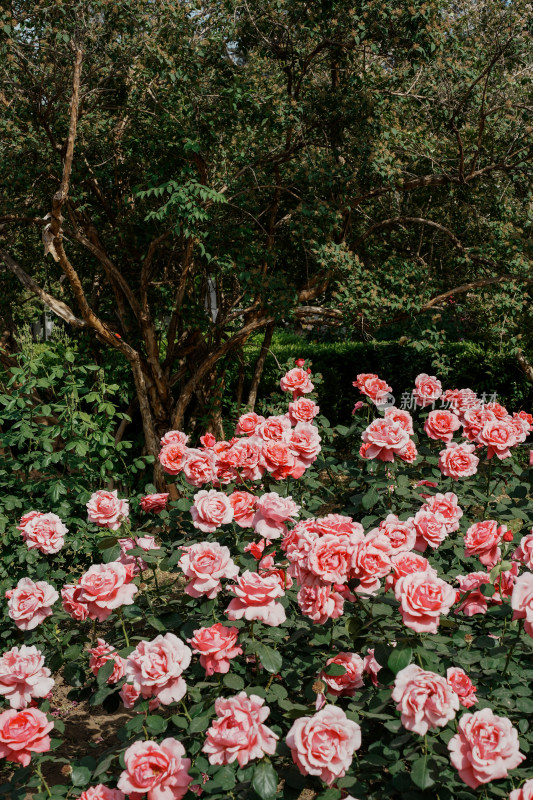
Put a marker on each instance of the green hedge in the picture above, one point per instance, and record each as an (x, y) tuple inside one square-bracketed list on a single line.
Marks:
[(457, 364)]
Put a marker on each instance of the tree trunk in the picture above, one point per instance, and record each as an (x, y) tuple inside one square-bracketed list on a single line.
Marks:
[(150, 436), (259, 365), (525, 366)]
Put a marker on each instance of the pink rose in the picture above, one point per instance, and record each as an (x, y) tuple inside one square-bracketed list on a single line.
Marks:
[(302, 410), (358, 406), (522, 601), (458, 461), (101, 792), (409, 453), (211, 509), (473, 601), (171, 457), (256, 548), (135, 563), (154, 502), (460, 400), (208, 440), (386, 438), (373, 387), (247, 423), (244, 505), (344, 685), (473, 421), (371, 667), (499, 436), (320, 603), (107, 510), (462, 686), (271, 514), (485, 748), (70, 595), (30, 603), (256, 597), (401, 534), (482, 539), (370, 561), (129, 696), (103, 653), (275, 429), (402, 417), (44, 532), (427, 389), (216, 646), (27, 517), (524, 793), (155, 668), (238, 733), (199, 466), (23, 733), (106, 587), (23, 676), (430, 529), (205, 564), (297, 381), (280, 461), (330, 557), (424, 699), (157, 770), (249, 455), (524, 551), (446, 506), (405, 564), (423, 598), (441, 424), (174, 437), (338, 525), (324, 744), (305, 443)]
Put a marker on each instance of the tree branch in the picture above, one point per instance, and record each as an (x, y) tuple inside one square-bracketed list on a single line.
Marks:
[(57, 306)]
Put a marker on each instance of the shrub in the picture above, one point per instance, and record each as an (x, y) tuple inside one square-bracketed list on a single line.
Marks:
[(357, 627)]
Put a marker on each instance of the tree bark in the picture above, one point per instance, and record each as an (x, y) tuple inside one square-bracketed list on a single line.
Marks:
[(259, 365)]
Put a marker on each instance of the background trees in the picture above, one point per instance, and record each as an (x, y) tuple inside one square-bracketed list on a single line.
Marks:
[(201, 173)]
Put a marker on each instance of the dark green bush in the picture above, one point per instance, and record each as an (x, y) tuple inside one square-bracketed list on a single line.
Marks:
[(457, 364)]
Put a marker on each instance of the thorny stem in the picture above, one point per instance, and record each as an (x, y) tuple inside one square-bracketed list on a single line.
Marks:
[(43, 781), (185, 711)]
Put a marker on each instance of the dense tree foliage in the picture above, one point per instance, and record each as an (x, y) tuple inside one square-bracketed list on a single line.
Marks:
[(199, 172)]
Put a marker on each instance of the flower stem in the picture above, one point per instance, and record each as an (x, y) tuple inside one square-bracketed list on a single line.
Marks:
[(43, 781), (123, 628), (512, 648)]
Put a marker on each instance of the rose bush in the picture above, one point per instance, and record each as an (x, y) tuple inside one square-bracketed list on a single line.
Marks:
[(344, 611)]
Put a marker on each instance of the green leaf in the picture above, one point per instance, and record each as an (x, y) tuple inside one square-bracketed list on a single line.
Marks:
[(334, 670), (370, 499), (105, 672), (265, 780), (156, 723), (80, 775), (420, 774), (270, 658), (199, 724), (225, 778), (233, 681), (399, 658)]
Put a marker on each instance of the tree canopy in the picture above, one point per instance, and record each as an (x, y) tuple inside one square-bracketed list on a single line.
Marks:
[(177, 176)]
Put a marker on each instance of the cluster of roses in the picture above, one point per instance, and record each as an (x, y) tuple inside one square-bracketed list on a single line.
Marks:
[(284, 446), (485, 746), (484, 425), (239, 734)]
